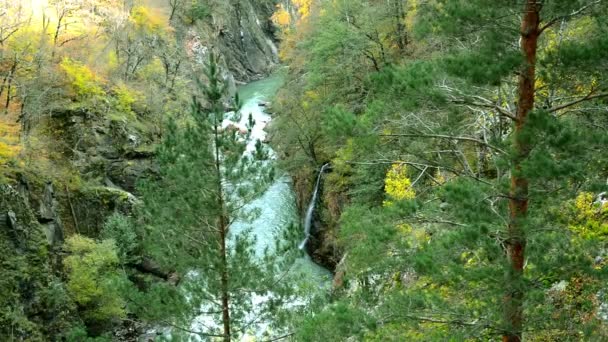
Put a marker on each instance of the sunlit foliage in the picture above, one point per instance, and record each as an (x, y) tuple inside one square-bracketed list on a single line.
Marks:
[(83, 81), (93, 278), (397, 184), (589, 216)]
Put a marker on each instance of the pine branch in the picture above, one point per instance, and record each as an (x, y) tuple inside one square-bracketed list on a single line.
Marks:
[(199, 333), (420, 219), (485, 103), (436, 166), (589, 96), (280, 337), (497, 108), (567, 16), (419, 176), (455, 321), (448, 137)]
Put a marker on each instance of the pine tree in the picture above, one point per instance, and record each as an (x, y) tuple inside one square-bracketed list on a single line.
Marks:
[(526, 169), (205, 183), (542, 149)]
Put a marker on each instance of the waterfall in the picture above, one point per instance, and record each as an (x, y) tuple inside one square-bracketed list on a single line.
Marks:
[(311, 208)]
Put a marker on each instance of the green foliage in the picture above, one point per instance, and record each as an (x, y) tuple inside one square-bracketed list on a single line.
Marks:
[(337, 322), (33, 302), (121, 230), (79, 334), (198, 11), (94, 279)]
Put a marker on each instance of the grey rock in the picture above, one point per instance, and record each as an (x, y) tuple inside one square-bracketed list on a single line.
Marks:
[(602, 198), (11, 219)]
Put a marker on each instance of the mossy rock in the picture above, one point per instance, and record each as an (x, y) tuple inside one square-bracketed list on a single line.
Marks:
[(34, 301), (93, 204)]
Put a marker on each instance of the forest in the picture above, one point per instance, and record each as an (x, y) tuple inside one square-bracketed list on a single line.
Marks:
[(303, 170)]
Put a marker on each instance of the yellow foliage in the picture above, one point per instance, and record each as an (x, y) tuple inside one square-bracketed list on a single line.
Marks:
[(404, 228), (7, 152), (83, 81), (576, 30), (9, 141), (91, 269), (439, 177), (125, 98), (312, 94), (113, 62), (343, 156), (590, 218), (415, 236), (153, 70), (397, 184), (304, 7), (149, 21), (281, 17), (411, 15)]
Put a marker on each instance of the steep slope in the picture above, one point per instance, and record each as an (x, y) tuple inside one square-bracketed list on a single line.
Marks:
[(92, 135)]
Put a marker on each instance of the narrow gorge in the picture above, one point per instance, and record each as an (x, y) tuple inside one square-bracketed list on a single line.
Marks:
[(303, 170)]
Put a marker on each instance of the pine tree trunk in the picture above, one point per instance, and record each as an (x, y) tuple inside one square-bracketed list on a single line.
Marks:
[(518, 202), (224, 280), (223, 230)]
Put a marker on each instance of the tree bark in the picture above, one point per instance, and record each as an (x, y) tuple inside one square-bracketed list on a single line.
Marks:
[(402, 39), (518, 202), (11, 76)]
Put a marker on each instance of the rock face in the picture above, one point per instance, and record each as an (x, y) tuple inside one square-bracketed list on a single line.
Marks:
[(99, 147), (244, 36), (107, 158)]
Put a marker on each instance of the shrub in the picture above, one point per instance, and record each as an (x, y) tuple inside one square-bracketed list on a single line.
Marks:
[(93, 278), (83, 81), (198, 11), (125, 98)]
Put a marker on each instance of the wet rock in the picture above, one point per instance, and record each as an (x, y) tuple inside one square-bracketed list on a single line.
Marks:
[(338, 281)]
